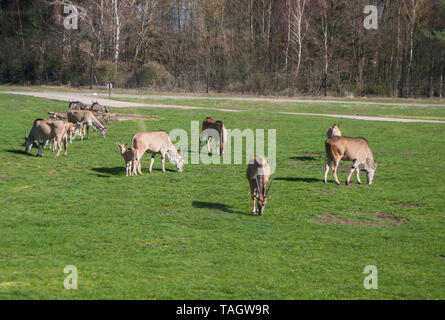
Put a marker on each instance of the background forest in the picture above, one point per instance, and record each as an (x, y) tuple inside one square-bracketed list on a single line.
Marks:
[(280, 47)]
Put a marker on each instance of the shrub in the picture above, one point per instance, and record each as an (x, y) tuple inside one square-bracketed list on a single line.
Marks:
[(152, 74), (107, 72)]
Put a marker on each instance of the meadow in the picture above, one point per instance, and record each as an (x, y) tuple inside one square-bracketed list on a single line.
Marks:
[(191, 235)]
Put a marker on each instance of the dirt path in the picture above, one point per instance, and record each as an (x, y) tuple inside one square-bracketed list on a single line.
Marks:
[(337, 101), (88, 98), (367, 118)]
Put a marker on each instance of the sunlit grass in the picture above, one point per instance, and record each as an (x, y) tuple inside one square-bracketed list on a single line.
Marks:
[(191, 235)]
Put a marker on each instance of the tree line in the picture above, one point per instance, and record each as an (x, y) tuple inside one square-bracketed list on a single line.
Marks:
[(282, 47)]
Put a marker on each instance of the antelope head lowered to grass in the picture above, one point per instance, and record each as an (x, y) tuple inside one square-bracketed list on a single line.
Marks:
[(258, 173), (157, 142)]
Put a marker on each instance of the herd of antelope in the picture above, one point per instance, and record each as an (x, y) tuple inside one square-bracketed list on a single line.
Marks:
[(80, 117)]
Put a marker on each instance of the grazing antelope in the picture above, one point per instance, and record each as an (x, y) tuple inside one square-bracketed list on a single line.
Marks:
[(86, 118), (157, 142), (217, 125), (99, 108), (73, 129), (77, 105), (334, 131), (44, 130), (352, 149), (131, 161), (258, 173)]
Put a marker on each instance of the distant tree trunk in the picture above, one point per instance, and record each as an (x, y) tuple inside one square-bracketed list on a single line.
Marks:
[(325, 43), (441, 82), (116, 45), (100, 46), (22, 71), (297, 31), (288, 35)]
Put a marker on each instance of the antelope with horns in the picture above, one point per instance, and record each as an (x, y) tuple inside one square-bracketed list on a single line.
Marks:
[(157, 142), (352, 149), (209, 125), (44, 130), (258, 173), (86, 118), (131, 161), (77, 105), (97, 107)]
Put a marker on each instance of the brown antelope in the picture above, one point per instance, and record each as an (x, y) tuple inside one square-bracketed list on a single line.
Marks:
[(334, 131), (220, 139), (98, 108), (86, 118), (131, 161), (154, 143), (44, 130), (77, 105), (352, 149), (258, 173), (73, 129)]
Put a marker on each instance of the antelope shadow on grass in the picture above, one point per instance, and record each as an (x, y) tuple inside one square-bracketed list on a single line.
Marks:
[(306, 158), (116, 171), (21, 152), (216, 206), (297, 179)]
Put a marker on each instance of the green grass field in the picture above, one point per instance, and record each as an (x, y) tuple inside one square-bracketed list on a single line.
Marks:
[(190, 235)]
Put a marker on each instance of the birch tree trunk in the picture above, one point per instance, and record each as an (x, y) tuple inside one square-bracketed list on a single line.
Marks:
[(297, 32), (116, 45)]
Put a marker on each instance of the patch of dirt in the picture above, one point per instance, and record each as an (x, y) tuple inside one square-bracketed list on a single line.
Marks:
[(387, 217), (383, 217), (333, 219), (166, 212), (406, 204), (3, 178), (112, 117), (403, 205)]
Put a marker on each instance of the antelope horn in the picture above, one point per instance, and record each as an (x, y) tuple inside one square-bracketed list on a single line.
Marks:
[(270, 185), (258, 185)]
